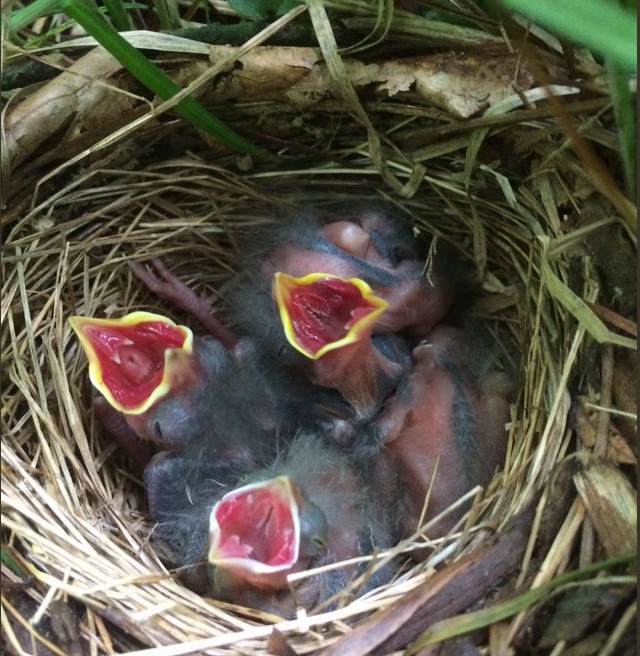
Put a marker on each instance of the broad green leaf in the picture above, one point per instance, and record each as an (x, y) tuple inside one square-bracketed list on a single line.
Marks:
[(600, 25)]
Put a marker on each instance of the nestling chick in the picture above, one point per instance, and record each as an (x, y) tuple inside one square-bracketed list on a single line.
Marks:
[(174, 389), (308, 508), (445, 430), (357, 522), (372, 246), (330, 321)]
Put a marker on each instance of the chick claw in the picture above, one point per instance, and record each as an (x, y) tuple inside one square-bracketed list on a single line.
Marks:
[(162, 282)]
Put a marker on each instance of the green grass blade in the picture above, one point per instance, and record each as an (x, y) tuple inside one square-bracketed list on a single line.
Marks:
[(24, 16), (624, 106), (6, 558), (151, 76), (168, 14), (461, 624), (118, 14), (600, 25)]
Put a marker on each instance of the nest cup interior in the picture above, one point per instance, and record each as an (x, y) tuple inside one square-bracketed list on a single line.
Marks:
[(74, 515), (82, 513)]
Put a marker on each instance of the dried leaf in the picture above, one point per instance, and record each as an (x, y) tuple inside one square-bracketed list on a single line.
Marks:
[(264, 72), (463, 85), (79, 104)]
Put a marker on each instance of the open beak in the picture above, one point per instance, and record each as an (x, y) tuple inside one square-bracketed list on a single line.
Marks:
[(255, 529), (321, 312), (132, 360)]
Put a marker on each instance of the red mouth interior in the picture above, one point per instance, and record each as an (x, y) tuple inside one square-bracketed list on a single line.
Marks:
[(324, 311), (131, 358), (257, 525)]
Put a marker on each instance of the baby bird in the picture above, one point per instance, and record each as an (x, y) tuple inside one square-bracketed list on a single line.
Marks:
[(445, 430), (306, 509), (371, 246), (172, 389), (340, 289), (330, 321), (357, 520)]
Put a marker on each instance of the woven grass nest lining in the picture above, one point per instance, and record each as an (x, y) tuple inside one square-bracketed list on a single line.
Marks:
[(70, 499), (73, 515)]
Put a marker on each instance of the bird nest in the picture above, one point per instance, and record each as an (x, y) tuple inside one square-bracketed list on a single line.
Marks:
[(541, 561)]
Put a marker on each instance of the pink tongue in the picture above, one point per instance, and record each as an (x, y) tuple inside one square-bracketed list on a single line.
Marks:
[(233, 545), (132, 357)]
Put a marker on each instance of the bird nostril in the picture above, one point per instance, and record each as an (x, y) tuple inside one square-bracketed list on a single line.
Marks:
[(157, 430), (319, 543)]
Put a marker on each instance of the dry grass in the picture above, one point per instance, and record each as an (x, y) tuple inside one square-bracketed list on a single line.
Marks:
[(74, 518)]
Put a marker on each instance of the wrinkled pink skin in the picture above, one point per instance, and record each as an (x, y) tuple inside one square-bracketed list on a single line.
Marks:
[(354, 240), (356, 371), (116, 426), (446, 431), (416, 303), (165, 284)]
